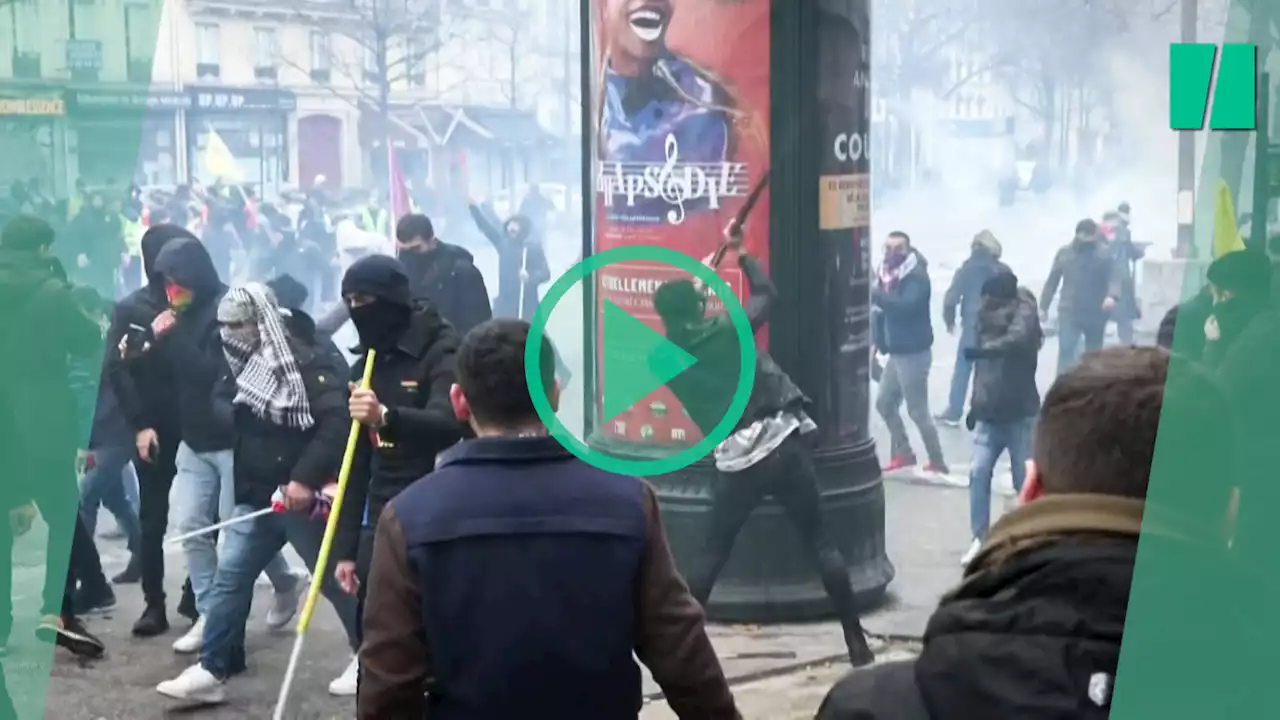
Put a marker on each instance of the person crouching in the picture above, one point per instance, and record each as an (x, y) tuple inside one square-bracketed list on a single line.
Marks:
[(289, 416)]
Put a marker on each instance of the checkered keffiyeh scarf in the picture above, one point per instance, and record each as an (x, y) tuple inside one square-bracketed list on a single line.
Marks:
[(267, 377)]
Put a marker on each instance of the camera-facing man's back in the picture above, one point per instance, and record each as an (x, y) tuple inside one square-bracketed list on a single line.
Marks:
[(517, 579)]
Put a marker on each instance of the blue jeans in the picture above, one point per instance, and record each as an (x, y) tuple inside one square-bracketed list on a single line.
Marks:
[(113, 484), (203, 491), (990, 440), (959, 380), (1071, 331), (250, 547)]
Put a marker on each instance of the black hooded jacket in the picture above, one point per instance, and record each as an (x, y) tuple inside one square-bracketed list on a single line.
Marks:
[(43, 327), (1007, 347), (448, 279), (143, 384), (515, 298), (193, 347), (413, 382)]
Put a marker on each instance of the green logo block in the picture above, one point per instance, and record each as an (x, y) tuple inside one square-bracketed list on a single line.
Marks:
[(1235, 97), (637, 360)]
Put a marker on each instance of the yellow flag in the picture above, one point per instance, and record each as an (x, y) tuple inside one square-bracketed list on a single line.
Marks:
[(218, 159), (1226, 232)]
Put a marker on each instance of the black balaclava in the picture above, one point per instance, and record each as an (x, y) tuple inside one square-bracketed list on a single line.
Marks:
[(382, 322)]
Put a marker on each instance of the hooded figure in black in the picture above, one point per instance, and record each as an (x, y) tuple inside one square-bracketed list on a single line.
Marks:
[(406, 413), (94, 244), (146, 393), (193, 289), (522, 263)]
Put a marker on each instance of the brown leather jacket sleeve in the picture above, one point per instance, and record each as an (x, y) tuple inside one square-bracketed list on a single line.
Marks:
[(673, 636), (394, 666)]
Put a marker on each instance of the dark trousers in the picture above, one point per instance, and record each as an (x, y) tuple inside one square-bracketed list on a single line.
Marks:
[(787, 474), (85, 566), (154, 480)]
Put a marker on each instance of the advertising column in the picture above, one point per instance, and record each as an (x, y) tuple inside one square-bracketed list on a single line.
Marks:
[(681, 127)]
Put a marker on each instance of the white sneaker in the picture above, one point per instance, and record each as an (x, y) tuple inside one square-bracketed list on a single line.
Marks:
[(191, 642), (284, 606), (194, 684), (345, 684), (971, 553)]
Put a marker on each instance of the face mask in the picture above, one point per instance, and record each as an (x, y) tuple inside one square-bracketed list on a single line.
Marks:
[(179, 297), (893, 257), (244, 338), (380, 324)]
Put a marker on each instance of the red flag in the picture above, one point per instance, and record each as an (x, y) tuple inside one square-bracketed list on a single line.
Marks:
[(399, 192)]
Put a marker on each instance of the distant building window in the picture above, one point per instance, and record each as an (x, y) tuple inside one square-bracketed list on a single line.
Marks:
[(320, 56), (265, 47), (208, 38)]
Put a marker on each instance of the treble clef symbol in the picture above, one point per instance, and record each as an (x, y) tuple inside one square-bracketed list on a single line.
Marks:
[(669, 185)]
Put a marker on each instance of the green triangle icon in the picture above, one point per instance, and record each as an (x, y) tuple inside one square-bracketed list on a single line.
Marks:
[(637, 360)]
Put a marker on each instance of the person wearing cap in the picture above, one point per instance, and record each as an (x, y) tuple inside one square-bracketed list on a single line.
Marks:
[(406, 413), (285, 401), (1085, 270), (965, 294)]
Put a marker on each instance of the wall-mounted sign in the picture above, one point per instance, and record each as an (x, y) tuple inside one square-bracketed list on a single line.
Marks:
[(232, 99), (82, 100), (32, 106), (84, 55)]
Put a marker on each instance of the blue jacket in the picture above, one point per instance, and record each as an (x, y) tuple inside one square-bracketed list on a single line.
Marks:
[(518, 581), (901, 323), (965, 292)]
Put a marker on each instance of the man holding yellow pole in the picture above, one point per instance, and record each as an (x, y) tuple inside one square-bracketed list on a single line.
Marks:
[(405, 412)]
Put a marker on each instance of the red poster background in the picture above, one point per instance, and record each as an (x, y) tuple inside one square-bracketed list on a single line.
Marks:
[(727, 45)]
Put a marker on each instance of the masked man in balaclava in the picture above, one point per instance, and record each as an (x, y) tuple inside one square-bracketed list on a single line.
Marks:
[(187, 338), (406, 412), (287, 405)]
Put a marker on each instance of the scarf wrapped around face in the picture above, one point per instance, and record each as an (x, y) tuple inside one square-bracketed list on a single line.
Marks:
[(256, 344)]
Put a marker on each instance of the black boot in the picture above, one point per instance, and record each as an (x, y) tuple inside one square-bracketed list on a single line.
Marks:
[(89, 599), (131, 574), (187, 605), (860, 654), (154, 621)]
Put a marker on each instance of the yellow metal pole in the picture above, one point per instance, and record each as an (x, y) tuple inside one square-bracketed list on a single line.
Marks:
[(322, 559)]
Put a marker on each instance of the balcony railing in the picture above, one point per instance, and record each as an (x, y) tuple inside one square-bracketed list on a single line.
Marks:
[(266, 74)]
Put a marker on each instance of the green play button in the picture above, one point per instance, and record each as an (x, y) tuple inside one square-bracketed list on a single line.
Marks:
[(635, 360)]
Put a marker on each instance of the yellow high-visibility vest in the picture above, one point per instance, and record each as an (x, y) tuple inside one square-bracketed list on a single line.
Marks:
[(376, 223), (133, 232)]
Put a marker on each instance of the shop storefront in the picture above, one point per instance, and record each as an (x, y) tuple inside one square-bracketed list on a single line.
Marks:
[(31, 138), (128, 134), (253, 126)]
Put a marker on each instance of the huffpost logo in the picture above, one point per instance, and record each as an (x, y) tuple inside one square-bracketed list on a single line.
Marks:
[(1191, 75)]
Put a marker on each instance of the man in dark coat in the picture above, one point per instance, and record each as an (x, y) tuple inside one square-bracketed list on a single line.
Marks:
[(1034, 629), (965, 294), (44, 326), (406, 413), (146, 391), (901, 329), (1005, 397), (1085, 269), (577, 576), (443, 275)]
